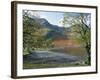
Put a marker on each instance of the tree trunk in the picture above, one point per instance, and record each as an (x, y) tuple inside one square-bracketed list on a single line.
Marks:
[(89, 54)]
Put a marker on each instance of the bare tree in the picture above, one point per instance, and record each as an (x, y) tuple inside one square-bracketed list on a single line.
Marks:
[(80, 24)]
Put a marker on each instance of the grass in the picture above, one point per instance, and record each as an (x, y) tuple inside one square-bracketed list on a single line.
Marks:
[(37, 66)]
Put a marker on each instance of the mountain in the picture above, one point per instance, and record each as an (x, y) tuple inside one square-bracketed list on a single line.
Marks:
[(46, 24), (52, 31)]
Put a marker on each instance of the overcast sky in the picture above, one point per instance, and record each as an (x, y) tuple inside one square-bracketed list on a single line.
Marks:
[(53, 17)]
